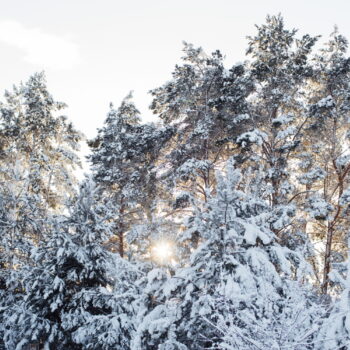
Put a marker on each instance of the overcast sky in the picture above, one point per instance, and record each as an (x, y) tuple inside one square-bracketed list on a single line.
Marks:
[(96, 51)]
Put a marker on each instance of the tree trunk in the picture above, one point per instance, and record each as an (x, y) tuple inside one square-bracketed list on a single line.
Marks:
[(120, 232), (327, 260)]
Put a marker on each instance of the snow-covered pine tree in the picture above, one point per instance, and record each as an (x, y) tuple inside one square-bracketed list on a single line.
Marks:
[(206, 104), (280, 68), (71, 276), (46, 143), (239, 261), (37, 156), (37, 153), (123, 162), (100, 314), (335, 331), (22, 223), (292, 323), (327, 149)]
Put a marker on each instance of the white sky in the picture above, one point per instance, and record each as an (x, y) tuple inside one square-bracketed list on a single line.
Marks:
[(96, 51)]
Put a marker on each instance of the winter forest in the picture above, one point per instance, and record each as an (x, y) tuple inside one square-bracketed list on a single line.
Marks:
[(223, 225)]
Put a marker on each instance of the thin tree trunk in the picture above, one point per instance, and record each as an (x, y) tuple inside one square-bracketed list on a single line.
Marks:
[(327, 260), (120, 232)]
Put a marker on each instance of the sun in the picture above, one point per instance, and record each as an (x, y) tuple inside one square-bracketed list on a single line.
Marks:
[(162, 251)]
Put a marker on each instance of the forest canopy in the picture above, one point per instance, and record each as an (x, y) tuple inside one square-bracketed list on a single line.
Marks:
[(223, 225)]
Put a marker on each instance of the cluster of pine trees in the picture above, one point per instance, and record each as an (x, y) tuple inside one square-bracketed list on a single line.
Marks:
[(223, 226)]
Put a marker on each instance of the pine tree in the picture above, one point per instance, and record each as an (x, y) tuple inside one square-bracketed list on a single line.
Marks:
[(45, 143), (101, 312), (328, 139), (291, 323), (335, 331), (206, 103), (22, 224), (37, 156), (280, 68), (123, 161), (71, 275), (238, 260)]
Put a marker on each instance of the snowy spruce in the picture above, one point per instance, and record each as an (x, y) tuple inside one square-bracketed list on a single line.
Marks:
[(224, 225)]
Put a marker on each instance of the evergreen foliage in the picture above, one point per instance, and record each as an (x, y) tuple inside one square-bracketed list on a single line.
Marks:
[(222, 226), (123, 163)]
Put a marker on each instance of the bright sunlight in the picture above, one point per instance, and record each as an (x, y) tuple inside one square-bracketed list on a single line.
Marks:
[(162, 251)]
